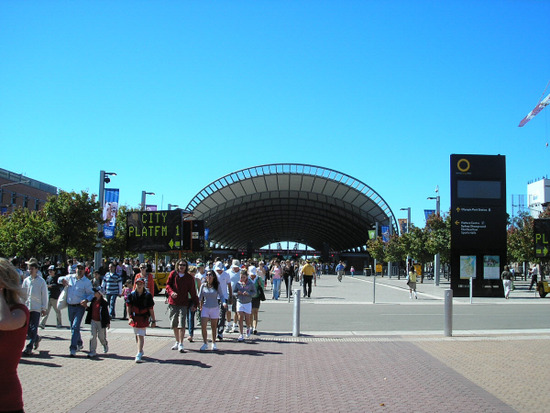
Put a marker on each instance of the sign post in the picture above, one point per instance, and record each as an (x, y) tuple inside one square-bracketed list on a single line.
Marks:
[(478, 224)]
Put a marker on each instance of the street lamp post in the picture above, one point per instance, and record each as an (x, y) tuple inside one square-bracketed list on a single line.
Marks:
[(98, 254), (144, 199), (408, 209), (437, 272)]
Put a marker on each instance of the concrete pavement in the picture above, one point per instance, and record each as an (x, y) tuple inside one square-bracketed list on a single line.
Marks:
[(341, 365)]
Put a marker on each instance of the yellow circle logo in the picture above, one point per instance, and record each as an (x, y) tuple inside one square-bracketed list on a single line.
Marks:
[(463, 165)]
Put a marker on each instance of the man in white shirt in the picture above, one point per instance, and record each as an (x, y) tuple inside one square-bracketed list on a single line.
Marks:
[(37, 303), (79, 293)]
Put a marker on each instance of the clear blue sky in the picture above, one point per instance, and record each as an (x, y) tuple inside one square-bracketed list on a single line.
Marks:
[(175, 94)]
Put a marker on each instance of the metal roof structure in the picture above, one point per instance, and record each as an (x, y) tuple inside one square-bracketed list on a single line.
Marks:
[(290, 202)]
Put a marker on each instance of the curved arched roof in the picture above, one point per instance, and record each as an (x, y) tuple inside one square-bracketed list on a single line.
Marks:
[(290, 202)]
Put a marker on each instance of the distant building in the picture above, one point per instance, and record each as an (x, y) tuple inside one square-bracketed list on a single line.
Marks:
[(17, 190), (538, 195)]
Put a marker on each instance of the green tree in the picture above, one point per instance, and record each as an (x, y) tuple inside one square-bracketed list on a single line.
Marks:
[(438, 236), (376, 248), (25, 233), (395, 250), (520, 239), (74, 217), (415, 245)]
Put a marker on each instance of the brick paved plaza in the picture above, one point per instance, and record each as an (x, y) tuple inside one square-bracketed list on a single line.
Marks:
[(344, 370)]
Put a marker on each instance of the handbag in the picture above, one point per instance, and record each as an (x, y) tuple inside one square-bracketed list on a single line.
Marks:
[(261, 293), (62, 300)]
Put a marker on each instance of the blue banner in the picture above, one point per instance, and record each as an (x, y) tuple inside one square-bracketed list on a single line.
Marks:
[(428, 212), (110, 211), (385, 234)]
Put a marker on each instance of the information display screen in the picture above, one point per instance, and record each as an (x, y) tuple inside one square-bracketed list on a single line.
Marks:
[(478, 189)]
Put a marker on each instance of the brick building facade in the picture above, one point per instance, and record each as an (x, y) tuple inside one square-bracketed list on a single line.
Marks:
[(17, 190)]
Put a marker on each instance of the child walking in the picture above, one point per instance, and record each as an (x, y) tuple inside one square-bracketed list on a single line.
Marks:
[(140, 307), (98, 317), (126, 291)]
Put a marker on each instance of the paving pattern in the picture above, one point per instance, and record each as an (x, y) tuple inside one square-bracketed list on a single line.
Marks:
[(281, 373), (319, 371)]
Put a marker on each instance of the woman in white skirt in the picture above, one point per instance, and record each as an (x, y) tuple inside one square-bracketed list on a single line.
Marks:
[(209, 294)]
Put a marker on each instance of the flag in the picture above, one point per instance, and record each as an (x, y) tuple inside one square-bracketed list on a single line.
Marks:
[(110, 210), (385, 234), (428, 212)]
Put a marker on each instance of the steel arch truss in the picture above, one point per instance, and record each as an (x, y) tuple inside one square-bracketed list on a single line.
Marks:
[(290, 202)]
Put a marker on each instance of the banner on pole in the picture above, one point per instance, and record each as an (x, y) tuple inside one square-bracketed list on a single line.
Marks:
[(403, 225), (385, 233), (110, 210), (428, 213)]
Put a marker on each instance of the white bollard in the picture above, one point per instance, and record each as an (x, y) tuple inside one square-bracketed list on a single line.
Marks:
[(296, 318), (448, 313)]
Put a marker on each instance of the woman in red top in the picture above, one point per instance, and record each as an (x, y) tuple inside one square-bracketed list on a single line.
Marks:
[(149, 279), (14, 318)]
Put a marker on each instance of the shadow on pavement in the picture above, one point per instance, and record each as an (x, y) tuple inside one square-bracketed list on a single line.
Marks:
[(183, 362), (37, 360)]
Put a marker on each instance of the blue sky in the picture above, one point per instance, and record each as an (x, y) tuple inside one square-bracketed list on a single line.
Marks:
[(173, 95)]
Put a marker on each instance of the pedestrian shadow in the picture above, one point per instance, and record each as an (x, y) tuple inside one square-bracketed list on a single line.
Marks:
[(285, 338), (55, 338), (242, 352), (38, 360), (180, 362)]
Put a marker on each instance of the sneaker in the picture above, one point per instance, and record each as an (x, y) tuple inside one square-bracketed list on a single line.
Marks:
[(220, 337), (106, 348), (214, 347), (73, 353), (92, 355), (37, 342), (204, 347), (59, 326), (228, 328), (180, 348), (190, 339), (175, 346), (235, 329), (255, 332), (26, 353), (138, 357), (241, 338), (42, 326), (248, 332), (79, 348)]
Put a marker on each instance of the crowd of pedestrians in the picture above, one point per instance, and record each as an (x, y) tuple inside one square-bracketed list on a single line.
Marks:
[(226, 294)]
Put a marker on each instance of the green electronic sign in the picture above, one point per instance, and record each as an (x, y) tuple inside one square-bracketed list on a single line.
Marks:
[(163, 231), (541, 238)]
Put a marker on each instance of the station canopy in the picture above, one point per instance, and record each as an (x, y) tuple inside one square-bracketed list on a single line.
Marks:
[(300, 203)]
